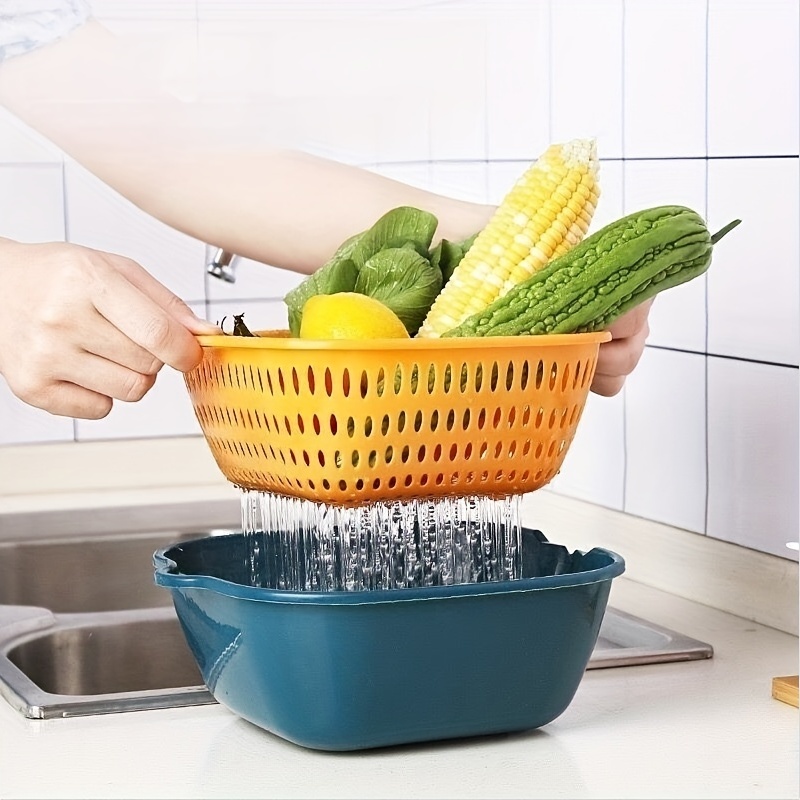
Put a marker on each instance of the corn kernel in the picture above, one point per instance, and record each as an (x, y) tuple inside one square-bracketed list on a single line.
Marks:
[(547, 211)]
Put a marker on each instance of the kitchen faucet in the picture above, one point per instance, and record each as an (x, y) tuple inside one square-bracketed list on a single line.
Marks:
[(222, 266)]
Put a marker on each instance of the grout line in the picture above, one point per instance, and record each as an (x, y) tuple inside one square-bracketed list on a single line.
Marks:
[(706, 88), (67, 238), (487, 73), (732, 157), (623, 19), (625, 448), (724, 356), (516, 160), (64, 205), (549, 12), (207, 253), (707, 358), (418, 162)]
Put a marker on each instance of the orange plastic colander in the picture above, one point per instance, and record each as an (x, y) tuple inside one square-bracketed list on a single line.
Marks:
[(348, 422)]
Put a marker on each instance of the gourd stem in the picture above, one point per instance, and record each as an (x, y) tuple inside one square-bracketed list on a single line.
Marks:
[(727, 229)]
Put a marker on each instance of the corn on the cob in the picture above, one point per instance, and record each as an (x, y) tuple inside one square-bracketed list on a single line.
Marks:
[(547, 212)]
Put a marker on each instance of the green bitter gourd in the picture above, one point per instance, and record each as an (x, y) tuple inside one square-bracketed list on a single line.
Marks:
[(607, 274)]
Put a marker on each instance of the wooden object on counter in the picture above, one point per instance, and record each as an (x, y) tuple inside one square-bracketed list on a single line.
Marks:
[(785, 689)]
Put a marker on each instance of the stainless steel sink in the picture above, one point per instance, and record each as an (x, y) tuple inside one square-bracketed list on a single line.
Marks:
[(84, 630), (67, 665), (79, 574), (123, 652)]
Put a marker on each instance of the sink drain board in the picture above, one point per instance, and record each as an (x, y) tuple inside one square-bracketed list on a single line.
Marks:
[(626, 640)]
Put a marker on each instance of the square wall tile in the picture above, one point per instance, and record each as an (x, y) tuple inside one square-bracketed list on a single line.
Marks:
[(678, 315), (753, 454), (349, 135), (414, 174), (362, 87), (21, 423), (753, 77), (518, 82), (101, 218), (586, 78), (440, 53), (366, 57), (665, 181), (754, 281), (258, 90), (665, 78), (456, 91), (165, 410), (32, 202), (665, 435), (594, 467), (21, 144), (404, 137), (462, 180), (253, 280), (612, 194), (501, 177), (433, 104)]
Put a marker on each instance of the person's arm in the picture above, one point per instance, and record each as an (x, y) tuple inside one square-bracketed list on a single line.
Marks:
[(271, 204), (210, 180)]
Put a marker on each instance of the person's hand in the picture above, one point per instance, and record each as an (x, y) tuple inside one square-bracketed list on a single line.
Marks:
[(619, 357), (81, 328)]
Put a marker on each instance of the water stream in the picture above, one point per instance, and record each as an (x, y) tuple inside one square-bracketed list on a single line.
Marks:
[(303, 545)]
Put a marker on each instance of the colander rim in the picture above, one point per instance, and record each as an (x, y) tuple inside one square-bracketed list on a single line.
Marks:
[(277, 340)]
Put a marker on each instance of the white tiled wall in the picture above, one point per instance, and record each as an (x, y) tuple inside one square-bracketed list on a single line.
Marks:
[(693, 102), (586, 72), (98, 217)]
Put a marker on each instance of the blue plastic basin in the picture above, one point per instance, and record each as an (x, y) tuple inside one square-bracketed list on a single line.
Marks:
[(355, 670)]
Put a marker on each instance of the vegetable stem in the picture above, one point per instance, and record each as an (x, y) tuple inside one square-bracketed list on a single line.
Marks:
[(727, 229)]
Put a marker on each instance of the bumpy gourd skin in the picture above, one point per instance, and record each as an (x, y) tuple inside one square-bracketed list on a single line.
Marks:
[(601, 278)]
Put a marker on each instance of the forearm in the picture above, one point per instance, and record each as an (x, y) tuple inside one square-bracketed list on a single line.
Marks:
[(168, 157), (280, 207)]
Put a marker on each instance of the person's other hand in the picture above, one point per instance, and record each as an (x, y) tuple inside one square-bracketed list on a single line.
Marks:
[(619, 357), (80, 328)]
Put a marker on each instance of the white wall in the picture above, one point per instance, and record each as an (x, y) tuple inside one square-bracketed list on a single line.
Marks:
[(692, 101)]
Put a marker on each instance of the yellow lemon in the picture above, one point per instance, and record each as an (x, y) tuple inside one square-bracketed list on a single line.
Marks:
[(349, 315)]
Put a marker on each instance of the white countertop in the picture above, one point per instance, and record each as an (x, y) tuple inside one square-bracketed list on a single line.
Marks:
[(702, 729)]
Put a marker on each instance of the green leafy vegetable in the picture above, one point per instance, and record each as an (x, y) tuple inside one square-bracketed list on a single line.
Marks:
[(400, 226), (447, 255), (403, 280), (337, 275), (403, 229)]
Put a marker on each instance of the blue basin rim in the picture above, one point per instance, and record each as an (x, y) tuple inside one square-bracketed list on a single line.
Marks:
[(596, 565)]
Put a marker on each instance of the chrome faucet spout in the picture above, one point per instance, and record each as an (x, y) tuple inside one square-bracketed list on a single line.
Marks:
[(222, 266)]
